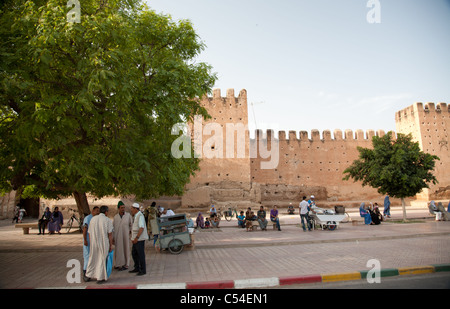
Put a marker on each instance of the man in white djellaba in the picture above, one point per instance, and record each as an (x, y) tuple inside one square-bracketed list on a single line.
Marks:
[(101, 237), (122, 228)]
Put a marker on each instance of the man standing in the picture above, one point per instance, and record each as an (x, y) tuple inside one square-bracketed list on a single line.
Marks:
[(138, 237), (95, 211), (122, 227), (152, 225), (101, 242), (304, 210)]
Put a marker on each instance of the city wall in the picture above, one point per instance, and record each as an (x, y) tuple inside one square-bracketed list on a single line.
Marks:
[(305, 164), (236, 170)]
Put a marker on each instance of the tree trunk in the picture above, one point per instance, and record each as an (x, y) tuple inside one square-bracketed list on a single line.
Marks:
[(404, 209), (82, 203)]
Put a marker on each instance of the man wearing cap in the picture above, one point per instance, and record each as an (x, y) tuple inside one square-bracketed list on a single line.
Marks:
[(312, 202), (138, 237)]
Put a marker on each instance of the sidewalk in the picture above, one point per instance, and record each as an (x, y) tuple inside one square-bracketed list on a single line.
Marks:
[(231, 257)]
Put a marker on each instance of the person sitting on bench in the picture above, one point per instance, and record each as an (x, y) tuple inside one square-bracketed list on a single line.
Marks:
[(43, 221)]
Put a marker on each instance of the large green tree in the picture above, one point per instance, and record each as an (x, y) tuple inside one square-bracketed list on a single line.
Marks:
[(88, 106), (395, 166)]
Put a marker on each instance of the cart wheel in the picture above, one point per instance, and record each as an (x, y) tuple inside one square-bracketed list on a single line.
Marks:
[(228, 216), (175, 246), (331, 225)]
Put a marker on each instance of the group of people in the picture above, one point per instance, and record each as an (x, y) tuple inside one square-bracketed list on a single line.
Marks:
[(371, 214), (19, 213), (305, 208), (125, 231), (52, 220), (212, 221), (439, 211), (246, 221)]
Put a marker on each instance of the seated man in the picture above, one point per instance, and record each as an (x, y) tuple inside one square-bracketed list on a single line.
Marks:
[(274, 217), (215, 220), (261, 214), (212, 211)]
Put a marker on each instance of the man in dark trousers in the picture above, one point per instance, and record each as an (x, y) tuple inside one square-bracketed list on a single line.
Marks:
[(138, 237)]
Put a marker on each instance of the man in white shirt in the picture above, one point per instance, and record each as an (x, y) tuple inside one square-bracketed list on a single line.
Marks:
[(138, 237), (304, 214), (167, 212)]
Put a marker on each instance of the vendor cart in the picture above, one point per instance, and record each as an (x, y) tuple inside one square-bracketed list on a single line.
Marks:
[(326, 218), (173, 233)]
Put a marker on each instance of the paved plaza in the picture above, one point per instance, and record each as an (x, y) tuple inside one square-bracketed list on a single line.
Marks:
[(230, 253)]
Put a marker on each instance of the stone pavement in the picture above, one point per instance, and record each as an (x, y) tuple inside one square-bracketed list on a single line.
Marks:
[(230, 254)]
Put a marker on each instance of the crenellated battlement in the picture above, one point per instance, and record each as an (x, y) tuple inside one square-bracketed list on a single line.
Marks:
[(419, 108), (229, 101), (315, 135)]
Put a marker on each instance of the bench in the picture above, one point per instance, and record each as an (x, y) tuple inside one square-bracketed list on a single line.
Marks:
[(26, 227), (255, 225), (274, 225)]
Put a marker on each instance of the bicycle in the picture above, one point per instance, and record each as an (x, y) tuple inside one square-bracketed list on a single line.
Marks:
[(71, 221), (230, 213)]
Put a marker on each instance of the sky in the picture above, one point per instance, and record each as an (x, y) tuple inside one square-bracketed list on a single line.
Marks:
[(320, 64)]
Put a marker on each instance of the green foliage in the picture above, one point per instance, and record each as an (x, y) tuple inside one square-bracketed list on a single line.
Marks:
[(396, 167), (89, 106)]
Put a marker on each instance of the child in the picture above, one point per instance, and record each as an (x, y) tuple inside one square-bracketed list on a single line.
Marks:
[(207, 223), (241, 220)]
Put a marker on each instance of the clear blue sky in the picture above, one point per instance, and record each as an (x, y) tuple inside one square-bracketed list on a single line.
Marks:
[(319, 64)]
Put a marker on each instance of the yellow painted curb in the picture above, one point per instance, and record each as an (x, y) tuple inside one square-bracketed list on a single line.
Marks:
[(341, 277), (415, 270)]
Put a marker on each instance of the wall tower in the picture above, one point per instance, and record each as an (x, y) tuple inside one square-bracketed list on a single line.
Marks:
[(429, 125)]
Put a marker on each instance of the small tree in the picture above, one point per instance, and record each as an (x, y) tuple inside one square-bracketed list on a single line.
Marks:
[(396, 167)]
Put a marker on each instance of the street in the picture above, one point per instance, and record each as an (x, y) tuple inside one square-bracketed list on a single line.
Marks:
[(425, 281)]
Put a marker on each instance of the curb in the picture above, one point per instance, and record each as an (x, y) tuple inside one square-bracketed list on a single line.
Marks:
[(277, 281)]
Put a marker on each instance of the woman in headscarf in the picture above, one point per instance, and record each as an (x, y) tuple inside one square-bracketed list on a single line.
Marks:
[(200, 221), (445, 214), (365, 214), (434, 210), (375, 215), (56, 221)]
